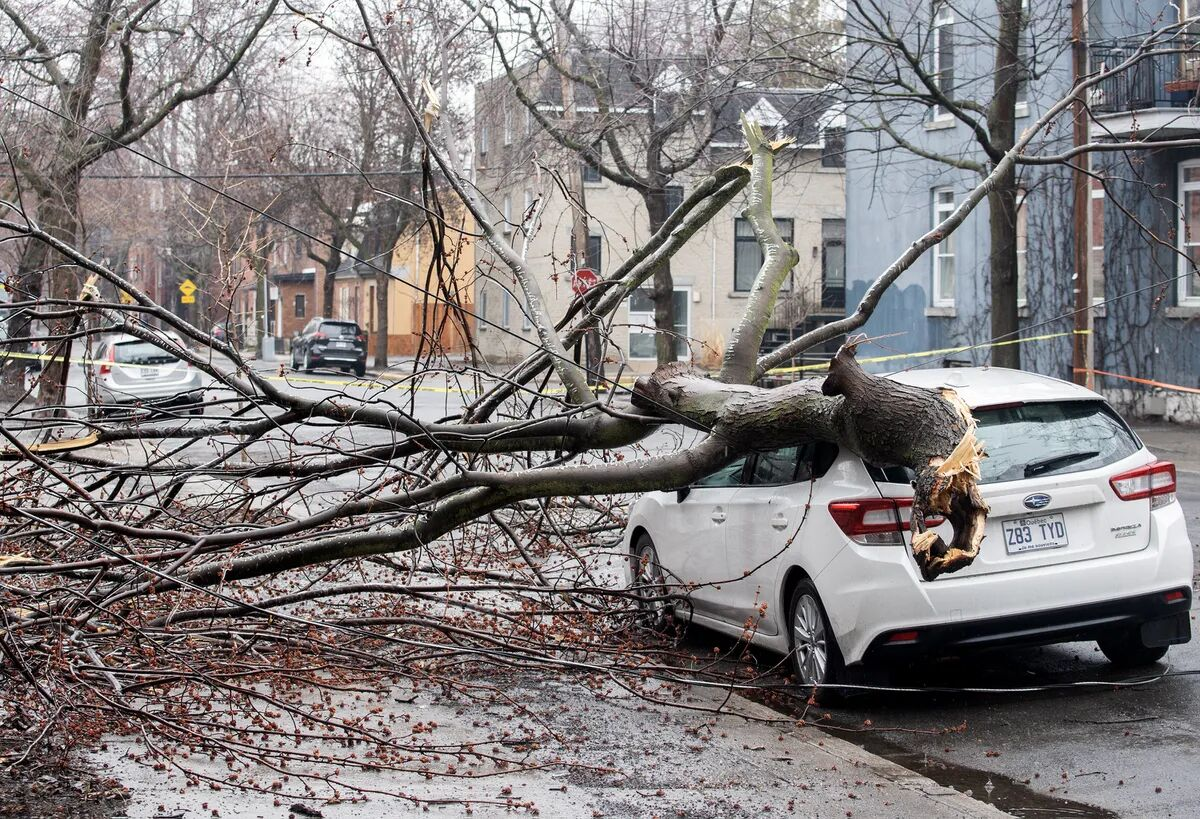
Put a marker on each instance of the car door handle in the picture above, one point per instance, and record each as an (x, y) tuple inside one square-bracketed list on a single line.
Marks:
[(780, 521), (718, 515)]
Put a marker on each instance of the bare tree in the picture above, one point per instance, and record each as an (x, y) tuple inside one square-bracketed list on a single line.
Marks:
[(186, 576), (88, 85), (652, 86)]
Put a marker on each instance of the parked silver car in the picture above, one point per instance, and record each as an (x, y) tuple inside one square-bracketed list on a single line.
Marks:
[(130, 372)]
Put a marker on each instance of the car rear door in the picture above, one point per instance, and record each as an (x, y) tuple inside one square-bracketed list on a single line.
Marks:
[(689, 534), (764, 519)]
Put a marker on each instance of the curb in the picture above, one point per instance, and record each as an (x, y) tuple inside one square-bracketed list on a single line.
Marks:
[(850, 755)]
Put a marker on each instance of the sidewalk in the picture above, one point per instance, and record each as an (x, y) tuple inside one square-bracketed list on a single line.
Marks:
[(1179, 443), (622, 757)]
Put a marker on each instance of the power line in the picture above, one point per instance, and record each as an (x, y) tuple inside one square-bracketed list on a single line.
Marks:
[(178, 177)]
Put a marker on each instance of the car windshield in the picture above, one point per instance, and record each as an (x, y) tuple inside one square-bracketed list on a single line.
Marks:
[(141, 352), (338, 330), (1052, 438)]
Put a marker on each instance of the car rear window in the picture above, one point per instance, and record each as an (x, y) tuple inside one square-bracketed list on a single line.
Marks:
[(1051, 438), (141, 352), (339, 330)]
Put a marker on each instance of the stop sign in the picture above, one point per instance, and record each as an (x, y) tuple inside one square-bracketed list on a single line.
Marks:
[(583, 280)]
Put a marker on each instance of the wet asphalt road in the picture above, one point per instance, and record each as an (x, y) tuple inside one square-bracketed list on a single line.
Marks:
[(1094, 747)]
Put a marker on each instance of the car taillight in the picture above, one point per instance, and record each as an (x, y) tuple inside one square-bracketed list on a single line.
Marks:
[(1155, 481), (319, 336), (876, 521), (106, 368), (359, 338)]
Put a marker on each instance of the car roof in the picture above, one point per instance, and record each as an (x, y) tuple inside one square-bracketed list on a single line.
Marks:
[(983, 386), (125, 338)]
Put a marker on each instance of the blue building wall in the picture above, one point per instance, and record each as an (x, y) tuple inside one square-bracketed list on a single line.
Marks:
[(889, 205)]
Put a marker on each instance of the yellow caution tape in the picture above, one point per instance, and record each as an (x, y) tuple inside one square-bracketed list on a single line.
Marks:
[(930, 353)]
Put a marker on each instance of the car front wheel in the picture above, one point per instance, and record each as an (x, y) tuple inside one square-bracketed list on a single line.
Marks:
[(1125, 648), (815, 658), (307, 362), (650, 585)]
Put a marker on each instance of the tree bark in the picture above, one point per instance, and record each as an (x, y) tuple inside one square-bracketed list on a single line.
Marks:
[(880, 420), (662, 291), (1002, 200)]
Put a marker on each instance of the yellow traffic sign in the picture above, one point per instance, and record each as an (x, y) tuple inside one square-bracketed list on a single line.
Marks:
[(187, 287), (187, 298)]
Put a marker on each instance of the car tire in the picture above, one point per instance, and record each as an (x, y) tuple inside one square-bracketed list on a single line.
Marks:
[(814, 656), (307, 362), (360, 370), (1125, 649), (650, 585)]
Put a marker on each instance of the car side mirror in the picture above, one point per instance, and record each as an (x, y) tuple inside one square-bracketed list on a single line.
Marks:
[(681, 493)]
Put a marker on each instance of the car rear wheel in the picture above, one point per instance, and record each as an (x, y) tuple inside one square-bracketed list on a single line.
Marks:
[(1125, 649), (360, 370), (815, 657), (307, 362), (650, 585)]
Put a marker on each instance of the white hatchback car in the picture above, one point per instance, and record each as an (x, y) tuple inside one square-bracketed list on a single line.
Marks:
[(805, 550), (130, 372)]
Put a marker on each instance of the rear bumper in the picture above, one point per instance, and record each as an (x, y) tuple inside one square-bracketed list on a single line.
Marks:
[(1163, 622), (191, 393)]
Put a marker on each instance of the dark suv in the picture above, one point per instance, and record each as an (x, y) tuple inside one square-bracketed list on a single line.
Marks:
[(329, 343)]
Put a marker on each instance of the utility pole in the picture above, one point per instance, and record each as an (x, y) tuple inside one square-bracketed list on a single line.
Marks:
[(579, 222), (1081, 347)]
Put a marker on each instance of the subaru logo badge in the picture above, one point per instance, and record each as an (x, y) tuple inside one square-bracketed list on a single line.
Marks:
[(1038, 500)]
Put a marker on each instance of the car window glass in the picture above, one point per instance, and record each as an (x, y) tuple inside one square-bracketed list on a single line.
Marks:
[(775, 467), (1052, 438), (337, 329), (730, 475), (804, 463), (141, 352)]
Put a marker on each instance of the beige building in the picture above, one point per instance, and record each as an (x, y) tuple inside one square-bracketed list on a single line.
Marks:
[(517, 166)]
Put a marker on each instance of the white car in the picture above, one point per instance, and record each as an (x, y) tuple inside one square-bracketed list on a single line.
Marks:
[(805, 550), (130, 372)]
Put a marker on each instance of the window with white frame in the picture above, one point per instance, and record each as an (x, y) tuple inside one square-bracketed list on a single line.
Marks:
[(747, 255), (505, 308), (507, 214), (483, 138), (1096, 243), (528, 121), (1022, 242), (508, 125), (1189, 233), (1022, 107), (943, 252), (942, 46), (641, 324)]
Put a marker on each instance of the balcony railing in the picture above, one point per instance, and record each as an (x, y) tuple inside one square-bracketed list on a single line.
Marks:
[(1167, 78)]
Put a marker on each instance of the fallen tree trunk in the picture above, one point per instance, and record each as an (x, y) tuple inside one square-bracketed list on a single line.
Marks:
[(881, 420)]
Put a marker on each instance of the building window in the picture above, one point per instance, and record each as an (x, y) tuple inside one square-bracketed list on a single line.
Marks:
[(641, 324), (833, 148), (483, 139), (943, 252), (527, 213), (595, 251), (505, 308), (1022, 242), (508, 125), (299, 306), (481, 314), (833, 263), (591, 166), (1096, 243), (1189, 233), (942, 42), (674, 198), (528, 121), (507, 215), (747, 255)]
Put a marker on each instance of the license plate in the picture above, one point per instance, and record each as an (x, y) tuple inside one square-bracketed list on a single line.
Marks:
[(150, 372), (1033, 533), (341, 345)]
